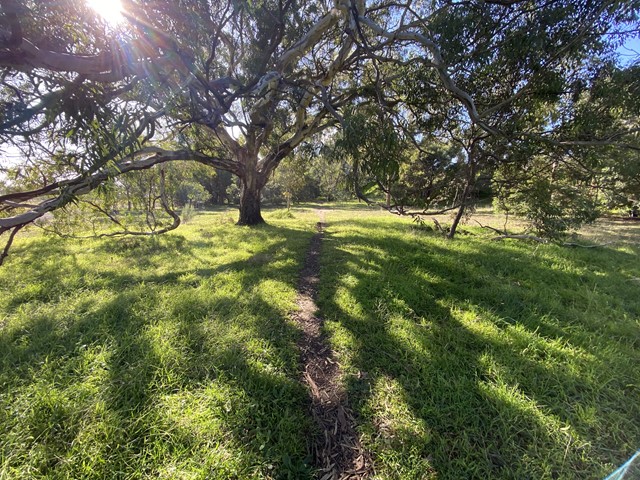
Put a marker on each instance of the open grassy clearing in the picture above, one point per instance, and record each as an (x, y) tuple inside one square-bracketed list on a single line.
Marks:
[(154, 358), (477, 359), (175, 357)]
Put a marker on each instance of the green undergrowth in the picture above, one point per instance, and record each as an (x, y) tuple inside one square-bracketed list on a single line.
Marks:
[(170, 357), (480, 359)]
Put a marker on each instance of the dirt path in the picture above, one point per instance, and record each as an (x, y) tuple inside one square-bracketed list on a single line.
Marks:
[(337, 451)]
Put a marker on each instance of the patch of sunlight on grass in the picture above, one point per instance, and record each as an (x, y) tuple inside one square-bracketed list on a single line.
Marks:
[(198, 416), (405, 331), (348, 301), (344, 342), (402, 434), (512, 406), (271, 292), (170, 357), (517, 359)]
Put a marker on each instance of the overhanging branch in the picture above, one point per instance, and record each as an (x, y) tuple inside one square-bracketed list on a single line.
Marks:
[(65, 191)]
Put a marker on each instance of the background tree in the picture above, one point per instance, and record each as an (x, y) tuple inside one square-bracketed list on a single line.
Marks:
[(508, 86), (330, 173), (317, 170), (218, 183)]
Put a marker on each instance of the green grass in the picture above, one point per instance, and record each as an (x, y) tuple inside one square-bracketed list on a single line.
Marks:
[(154, 358), (477, 359), (175, 357)]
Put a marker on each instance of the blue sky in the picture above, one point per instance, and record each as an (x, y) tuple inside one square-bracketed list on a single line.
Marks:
[(630, 51)]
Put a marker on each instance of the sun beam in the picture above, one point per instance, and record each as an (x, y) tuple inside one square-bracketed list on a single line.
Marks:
[(109, 10)]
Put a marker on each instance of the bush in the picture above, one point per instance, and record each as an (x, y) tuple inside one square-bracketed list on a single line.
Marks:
[(551, 208), (188, 212)]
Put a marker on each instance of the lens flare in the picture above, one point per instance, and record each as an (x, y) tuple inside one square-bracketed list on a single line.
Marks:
[(109, 10)]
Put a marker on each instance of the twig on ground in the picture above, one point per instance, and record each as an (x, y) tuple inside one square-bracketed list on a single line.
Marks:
[(501, 232), (570, 244), (522, 237)]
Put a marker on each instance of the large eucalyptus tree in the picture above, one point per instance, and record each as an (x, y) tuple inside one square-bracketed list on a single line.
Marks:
[(239, 84), (235, 85), (524, 87)]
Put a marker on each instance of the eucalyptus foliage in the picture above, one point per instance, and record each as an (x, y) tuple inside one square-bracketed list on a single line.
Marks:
[(239, 85)]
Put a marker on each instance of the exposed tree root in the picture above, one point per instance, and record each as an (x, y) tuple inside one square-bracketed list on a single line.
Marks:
[(336, 449)]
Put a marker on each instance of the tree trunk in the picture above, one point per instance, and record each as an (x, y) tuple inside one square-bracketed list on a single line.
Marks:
[(250, 189), (466, 193), (456, 220)]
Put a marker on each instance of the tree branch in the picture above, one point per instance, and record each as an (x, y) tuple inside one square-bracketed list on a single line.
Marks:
[(5, 251), (69, 189)]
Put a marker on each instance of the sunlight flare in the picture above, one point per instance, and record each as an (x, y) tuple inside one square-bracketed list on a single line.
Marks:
[(109, 10)]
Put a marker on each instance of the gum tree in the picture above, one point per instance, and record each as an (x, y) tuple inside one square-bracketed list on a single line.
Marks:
[(517, 86), (235, 85), (238, 85)]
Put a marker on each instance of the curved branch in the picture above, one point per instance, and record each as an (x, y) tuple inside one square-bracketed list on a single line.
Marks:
[(5, 251), (312, 37), (438, 64), (125, 231), (26, 54), (20, 53), (67, 190)]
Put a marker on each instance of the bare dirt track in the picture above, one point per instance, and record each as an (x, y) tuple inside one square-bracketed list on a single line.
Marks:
[(336, 448)]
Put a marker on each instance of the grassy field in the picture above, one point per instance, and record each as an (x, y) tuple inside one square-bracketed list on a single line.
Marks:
[(154, 358), (478, 359), (175, 357)]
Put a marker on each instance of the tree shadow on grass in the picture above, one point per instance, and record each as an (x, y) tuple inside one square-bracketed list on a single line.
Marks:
[(485, 362), (52, 266), (149, 375)]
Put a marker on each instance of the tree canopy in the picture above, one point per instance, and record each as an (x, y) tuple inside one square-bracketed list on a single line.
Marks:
[(239, 85)]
